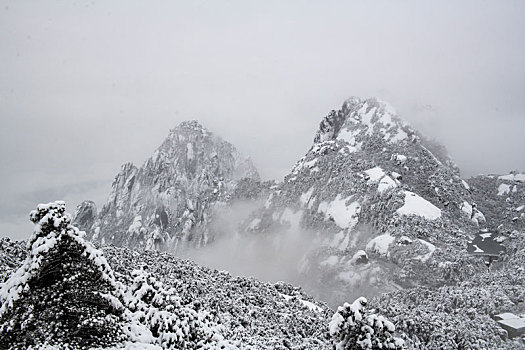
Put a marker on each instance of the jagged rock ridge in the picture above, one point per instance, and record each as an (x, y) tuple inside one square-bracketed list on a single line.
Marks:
[(169, 201)]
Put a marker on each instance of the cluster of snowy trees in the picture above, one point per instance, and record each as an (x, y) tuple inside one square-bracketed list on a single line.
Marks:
[(353, 326), (66, 294), (53, 297)]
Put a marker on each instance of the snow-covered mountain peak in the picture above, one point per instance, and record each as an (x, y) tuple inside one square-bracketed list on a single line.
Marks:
[(359, 118), (190, 126), (189, 131), (191, 151), (170, 199), (367, 181)]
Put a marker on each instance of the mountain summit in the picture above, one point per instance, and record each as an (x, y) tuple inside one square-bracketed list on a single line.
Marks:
[(168, 202), (359, 118), (383, 206)]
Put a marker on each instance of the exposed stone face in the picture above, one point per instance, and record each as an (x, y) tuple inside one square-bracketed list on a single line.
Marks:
[(85, 215), (168, 202)]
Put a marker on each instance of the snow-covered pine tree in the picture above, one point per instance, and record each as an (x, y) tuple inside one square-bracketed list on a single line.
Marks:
[(354, 327), (55, 296)]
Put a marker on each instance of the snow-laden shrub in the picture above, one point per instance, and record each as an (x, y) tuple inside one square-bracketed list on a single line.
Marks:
[(155, 315), (354, 327), (52, 298)]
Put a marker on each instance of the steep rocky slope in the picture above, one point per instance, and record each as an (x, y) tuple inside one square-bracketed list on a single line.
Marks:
[(372, 206), (384, 207), (462, 316), (168, 202), (502, 198)]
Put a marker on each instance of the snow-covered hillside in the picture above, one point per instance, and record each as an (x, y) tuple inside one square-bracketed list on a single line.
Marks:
[(59, 291), (372, 206), (371, 186)]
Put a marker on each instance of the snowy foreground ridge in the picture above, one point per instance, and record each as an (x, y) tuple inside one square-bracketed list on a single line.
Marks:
[(143, 312), (93, 309)]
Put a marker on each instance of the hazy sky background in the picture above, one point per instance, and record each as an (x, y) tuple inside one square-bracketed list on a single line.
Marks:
[(88, 85)]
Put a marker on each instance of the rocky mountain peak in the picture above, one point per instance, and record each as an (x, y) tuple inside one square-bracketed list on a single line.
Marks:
[(190, 130), (85, 215), (192, 151), (193, 124), (170, 198), (359, 118), (372, 189)]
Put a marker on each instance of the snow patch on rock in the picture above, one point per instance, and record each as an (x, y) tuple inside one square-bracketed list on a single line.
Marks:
[(431, 249), (306, 198), (513, 177), (375, 174), (503, 189), (380, 244), (385, 184), (416, 205), (345, 216), (348, 136)]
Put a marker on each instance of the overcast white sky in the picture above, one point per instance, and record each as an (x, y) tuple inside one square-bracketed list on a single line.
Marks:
[(88, 85)]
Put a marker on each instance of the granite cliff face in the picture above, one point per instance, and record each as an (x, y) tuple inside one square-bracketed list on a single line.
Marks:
[(85, 215), (169, 201)]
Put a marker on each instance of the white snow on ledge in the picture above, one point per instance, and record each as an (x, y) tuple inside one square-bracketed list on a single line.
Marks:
[(380, 244), (345, 216), (415, 205), (385, 184), (431, 250), (375, 174), (306, 303), (503, 189), (513, 177), (349, 136)]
